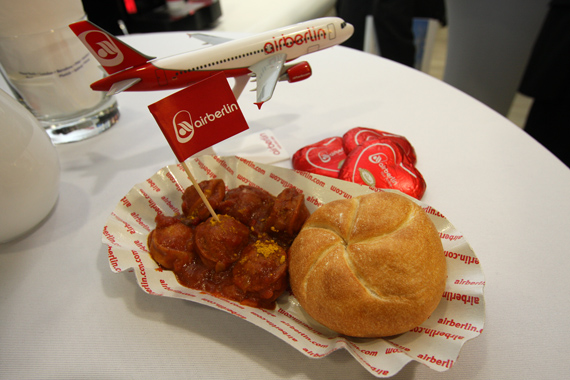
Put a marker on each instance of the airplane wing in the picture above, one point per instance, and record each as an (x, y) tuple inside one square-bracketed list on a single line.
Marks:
[(267, 74), (212, 40)]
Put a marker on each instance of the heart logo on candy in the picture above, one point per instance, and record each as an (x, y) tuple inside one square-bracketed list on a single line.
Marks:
[(359, 135), (324, 157), (382, 163)]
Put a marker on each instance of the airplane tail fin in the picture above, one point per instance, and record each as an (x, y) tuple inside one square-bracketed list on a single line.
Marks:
[(113, 54)]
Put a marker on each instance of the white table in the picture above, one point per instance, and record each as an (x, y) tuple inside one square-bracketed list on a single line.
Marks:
[(65, 315)]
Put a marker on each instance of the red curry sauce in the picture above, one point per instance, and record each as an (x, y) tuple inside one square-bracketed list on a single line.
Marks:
[(243, 255)]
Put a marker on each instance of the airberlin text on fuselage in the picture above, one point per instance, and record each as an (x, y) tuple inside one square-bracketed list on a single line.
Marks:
[(310, 35)]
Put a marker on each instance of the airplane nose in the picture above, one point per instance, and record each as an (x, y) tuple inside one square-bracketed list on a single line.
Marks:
[(349, 29)]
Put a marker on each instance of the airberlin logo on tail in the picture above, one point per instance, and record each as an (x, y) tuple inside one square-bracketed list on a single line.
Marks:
[(102, 47), (184, 126)]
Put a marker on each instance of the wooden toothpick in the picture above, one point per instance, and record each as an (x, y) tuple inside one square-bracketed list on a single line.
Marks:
[(200, 192)]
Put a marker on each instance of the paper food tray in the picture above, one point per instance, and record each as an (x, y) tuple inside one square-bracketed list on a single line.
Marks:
[(436, 343)]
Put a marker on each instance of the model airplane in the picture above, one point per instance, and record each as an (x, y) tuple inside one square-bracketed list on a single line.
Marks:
[(262, 56)]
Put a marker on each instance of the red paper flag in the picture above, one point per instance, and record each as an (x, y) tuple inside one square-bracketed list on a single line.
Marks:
[(199, 116)]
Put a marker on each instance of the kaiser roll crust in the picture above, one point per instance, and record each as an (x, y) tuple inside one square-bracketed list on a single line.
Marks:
[(370, 266)]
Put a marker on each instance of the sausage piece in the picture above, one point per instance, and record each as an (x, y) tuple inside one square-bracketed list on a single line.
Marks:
[(170, 241), (262, 269), (248, 204), (288, 215), (194, 209), (219, 243)]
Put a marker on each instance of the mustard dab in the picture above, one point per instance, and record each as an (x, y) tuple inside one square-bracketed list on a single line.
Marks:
[(266, 247)]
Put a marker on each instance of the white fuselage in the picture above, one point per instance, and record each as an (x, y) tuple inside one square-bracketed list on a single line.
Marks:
[(294, 41)]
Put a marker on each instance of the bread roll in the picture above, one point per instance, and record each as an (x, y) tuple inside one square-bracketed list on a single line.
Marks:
[(370, 266)]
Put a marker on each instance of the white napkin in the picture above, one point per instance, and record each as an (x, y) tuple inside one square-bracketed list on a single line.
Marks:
[(261, 147)]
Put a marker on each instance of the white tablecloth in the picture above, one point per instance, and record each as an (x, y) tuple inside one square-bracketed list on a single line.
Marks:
[(65, 315)]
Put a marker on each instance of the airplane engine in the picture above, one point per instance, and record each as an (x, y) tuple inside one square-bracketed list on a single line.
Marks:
[(297, 72)]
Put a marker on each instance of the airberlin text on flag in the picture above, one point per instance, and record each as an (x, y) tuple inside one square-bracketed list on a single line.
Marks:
[(199, 116)]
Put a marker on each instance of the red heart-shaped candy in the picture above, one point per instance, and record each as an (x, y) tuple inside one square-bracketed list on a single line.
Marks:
[(324, 157), (382, 163), (359, 135)]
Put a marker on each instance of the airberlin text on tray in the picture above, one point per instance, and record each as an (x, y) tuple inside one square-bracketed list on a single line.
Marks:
[(170, 205), (451, 296), (152, 204), (310, 177), (223, 164), (450, 237), (467, 259), (174, 182), (432, 359), (459, 325), (433, 333), (113, 259), (153, 185), (139, 220), (144, 281)]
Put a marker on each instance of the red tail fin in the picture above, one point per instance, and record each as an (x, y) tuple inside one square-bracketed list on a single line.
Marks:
[(111, 53)]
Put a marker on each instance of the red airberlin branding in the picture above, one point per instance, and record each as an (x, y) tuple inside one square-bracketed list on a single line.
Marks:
[(107, 53), (184, 127), (199, 116), (279, 43), (111, 53)]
